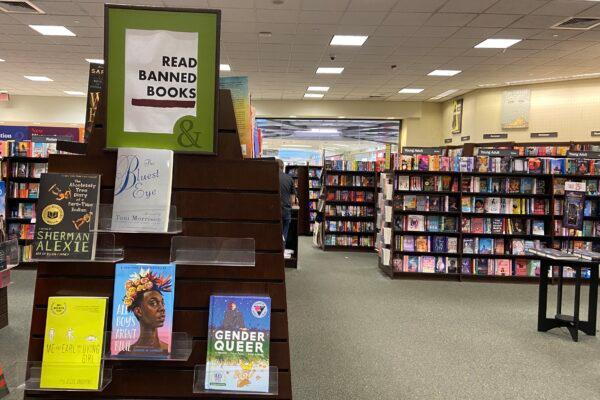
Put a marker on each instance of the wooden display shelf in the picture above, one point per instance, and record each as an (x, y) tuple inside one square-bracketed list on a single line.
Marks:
[(41, 160), (425, 233), (232, 197), (368, 249)]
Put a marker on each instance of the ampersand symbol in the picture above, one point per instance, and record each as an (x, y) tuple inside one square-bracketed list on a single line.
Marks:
[(187, 137)]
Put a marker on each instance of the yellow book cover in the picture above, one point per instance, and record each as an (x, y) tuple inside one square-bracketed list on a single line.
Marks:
[(73, 343)]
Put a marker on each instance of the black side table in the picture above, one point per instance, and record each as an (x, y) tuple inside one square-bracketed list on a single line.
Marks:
[(571, 322)]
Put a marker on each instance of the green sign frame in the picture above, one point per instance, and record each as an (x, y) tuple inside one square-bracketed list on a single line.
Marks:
[(194, 118)]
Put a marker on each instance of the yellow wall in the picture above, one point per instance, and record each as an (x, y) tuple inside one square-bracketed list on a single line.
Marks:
[(571, 108), (43, 110), (421, 124)]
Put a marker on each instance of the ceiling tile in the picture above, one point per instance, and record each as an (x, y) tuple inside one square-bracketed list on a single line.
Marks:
[(449, 19), (494, 20), (556, 34), (475, 6), (418, 5), (371, 5), (231, 3), (536, 21), (287, 4), (329, 5), (320, 17), (515, 6), (475, 33), (564, 8), (406, 19), (281, 16), (362, 18), (436, 31)]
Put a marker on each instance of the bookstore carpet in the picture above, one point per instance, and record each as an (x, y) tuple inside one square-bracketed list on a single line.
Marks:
[(356, 334)]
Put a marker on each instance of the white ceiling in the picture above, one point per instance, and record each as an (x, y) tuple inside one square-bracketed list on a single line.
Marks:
[(417, 36)]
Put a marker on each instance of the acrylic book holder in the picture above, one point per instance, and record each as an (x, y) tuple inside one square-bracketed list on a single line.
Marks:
[(106, 251), (105, 212), (22, 376), (200, 375), (236, 252), (181, 349)]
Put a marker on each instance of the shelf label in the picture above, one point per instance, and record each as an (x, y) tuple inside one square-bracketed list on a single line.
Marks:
[(448, 140), (595, 133), (498, 152), (571, 186), (544, 135), (583, 154), (422, 150), (465, 138), (495, 135)]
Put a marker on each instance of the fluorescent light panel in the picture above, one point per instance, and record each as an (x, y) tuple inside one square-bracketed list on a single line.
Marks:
[(225, 67), (497, 43), (445, 94), (318, 88), (348, 40), (38, 78), (410, 90), (95, 60), (330, 70), (313, 95), (52, 30), (1, 60), (444, 72), (74, 93)]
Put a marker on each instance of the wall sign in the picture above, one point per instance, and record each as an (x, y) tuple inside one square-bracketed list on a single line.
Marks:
[(495, 135), (448, 140), (544, 135), (498, 152), (457, 114), (421, 150), (465, 138), (595, 133), (515, 108), (583, 154), (16, 133), (162, 78)]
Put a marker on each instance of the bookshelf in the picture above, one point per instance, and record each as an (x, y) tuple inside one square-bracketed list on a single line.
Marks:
[(350, 200), (314, 189), (301, 181)]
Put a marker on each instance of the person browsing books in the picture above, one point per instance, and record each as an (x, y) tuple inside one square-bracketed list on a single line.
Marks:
[(288, 197)]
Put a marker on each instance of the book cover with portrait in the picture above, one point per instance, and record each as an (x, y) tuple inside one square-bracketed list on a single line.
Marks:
[(67, 217), (237, 357), (142, 319)]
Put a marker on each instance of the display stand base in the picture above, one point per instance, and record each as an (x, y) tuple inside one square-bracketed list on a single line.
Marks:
[(23, 376), (192, 250)]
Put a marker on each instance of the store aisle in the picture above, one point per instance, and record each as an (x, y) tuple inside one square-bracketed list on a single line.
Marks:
[(356, 334)]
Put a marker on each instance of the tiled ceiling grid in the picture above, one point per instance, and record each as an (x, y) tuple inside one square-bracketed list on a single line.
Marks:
[(417, 36)]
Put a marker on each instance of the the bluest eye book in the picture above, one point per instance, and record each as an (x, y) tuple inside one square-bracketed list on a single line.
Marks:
[(237, 358), (142, 319)]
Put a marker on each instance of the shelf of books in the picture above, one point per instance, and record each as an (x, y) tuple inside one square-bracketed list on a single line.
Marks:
[(300, 175), (23, 165), (384, 221), (474, 218), (350, 200), (314, 189)]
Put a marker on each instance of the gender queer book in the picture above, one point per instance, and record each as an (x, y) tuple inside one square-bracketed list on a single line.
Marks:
[(73, 343), (67, 217), (142, 200), (237, 357), (142, 322)]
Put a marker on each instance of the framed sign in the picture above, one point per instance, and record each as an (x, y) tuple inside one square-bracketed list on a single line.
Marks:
[(457, 114), (162, 78), (515, 108)]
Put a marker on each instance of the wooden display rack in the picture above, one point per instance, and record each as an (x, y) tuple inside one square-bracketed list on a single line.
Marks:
[(217, 196)]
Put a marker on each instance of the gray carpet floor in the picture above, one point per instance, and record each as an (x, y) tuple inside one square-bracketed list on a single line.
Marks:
[(356, 334)]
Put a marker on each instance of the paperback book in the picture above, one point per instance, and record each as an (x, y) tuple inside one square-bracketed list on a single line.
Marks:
[(73, 343), (142, 199), (67, 220), (237, 357), (143, 300)]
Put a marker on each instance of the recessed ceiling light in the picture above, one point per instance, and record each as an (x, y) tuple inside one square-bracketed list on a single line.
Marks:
[(411, 90), (342, 116), (444, 72), (95, 60), (330, 70), (313, 95), (1, 60), (225, 67), (38, 78), (52, 30), (74, 93), (347, 40), (444, 94), (497, 43), (318, 88)]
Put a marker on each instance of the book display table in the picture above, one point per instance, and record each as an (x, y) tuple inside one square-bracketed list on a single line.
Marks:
[(572, 322)]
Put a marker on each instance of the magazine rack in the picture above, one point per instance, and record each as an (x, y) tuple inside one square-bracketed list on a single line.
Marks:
[(181, 349), (22, 376), (234, 252), (230, 198), (106, 252), (200, 375), (105, 222)]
